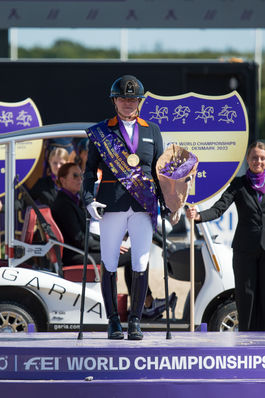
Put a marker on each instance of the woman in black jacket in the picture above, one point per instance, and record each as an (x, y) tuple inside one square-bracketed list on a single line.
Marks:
[(247, 192), (69, 214)]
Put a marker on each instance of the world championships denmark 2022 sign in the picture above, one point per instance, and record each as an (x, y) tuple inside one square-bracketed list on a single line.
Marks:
[(214, 128)]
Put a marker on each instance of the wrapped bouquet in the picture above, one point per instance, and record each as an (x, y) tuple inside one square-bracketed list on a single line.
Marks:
[(176, 171)]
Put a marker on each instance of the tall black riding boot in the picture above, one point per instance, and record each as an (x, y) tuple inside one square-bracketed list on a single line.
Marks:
[(109, 293), (138, 294)]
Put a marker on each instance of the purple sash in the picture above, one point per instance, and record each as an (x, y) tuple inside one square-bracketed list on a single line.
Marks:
[(114, 154)]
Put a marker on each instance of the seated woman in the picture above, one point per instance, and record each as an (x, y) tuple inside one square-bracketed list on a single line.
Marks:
[(69, 214), (45, 189)]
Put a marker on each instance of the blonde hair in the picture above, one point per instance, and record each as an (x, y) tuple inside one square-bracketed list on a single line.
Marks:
[(256, 144), (59, 151)]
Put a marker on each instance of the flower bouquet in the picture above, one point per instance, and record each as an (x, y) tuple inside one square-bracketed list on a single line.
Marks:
[(176, 171)]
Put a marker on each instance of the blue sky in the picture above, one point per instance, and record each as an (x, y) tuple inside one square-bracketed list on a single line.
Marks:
[(145, 39)]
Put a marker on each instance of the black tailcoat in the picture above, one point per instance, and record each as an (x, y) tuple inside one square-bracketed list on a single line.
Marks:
[(111, 192)]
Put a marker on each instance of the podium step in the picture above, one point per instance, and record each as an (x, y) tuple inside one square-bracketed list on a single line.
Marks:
[(186, 356), (201, 364), (134, 388)]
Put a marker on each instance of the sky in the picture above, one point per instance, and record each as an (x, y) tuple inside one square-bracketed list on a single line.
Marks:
[(145, 39)]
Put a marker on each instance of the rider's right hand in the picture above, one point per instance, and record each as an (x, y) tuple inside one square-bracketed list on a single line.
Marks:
[(93, 209)]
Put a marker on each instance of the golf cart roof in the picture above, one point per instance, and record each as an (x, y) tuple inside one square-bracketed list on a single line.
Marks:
[(47, 132), (9, 140)]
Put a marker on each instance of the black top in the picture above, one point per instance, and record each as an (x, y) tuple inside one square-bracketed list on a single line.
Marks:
[(71, 220), (250, 230), (44, 191)]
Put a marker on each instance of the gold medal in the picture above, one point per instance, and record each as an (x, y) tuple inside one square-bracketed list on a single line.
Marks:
[(133, 160)]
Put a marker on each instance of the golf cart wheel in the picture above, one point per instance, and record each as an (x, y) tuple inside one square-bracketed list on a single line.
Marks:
[(225, 318), (14, 319)]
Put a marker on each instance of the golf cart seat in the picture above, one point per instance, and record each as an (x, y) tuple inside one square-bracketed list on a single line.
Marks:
[(30, 226), (72, 273)]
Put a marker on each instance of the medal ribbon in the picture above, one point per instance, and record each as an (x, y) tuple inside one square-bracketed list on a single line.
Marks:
[(114, 154), (132, 145)]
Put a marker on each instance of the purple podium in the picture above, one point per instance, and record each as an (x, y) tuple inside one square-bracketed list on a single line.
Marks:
[(202, 364)]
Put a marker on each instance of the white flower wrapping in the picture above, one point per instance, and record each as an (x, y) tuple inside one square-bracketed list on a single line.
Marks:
[(176, 171)]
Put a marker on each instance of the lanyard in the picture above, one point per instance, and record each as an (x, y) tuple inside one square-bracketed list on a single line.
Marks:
[(132, 145)]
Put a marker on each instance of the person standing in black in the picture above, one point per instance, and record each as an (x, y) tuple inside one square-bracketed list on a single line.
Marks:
[(247, 192), (126, 148)]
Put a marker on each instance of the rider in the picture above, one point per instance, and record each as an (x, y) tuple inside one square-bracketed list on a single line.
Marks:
[(126, 148)]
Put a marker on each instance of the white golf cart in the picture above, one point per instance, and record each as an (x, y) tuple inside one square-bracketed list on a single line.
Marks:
[(45, 299), (49, 300)]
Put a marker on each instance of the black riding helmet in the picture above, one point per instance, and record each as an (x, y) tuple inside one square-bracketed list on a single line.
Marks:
[(127, 86)]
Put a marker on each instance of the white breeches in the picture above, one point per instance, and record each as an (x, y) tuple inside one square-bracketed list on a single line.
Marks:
[(114, 226)]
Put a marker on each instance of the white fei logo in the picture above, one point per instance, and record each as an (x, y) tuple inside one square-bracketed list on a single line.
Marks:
[(42, 363)]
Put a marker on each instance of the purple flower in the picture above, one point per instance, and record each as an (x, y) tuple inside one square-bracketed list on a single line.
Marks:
[(177, 168)]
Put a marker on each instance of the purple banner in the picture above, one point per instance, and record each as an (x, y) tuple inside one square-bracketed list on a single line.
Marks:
[(18, 116), (195, 113), (214, 128), (132, 363)]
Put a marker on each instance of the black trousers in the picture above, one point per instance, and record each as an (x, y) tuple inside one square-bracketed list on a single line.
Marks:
[(249, 272)]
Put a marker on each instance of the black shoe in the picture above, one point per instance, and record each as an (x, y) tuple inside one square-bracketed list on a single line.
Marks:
[(156, 310), (114, 329), (158, 307), (134, 330)]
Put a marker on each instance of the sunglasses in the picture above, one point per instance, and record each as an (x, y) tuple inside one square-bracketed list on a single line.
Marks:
[(77, 175)]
